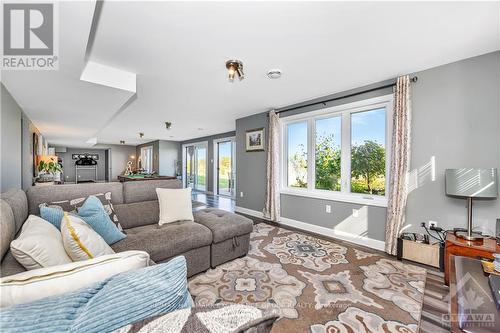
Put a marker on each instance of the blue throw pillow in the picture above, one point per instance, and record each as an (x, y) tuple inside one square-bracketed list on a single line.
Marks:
[(105, 306), (94, 214), (52, 214)]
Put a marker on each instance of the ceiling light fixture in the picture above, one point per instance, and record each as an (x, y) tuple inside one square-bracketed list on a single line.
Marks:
[(168, 125), (235, 67), (122, 142), (274, 73), (141, 135)]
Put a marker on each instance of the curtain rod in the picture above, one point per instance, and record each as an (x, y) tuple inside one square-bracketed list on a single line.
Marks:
[(292, 108)]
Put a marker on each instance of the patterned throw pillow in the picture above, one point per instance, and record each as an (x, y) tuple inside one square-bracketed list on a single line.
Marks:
[(72, 206)]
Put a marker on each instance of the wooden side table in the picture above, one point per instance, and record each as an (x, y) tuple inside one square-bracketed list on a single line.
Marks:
[(456, 246)]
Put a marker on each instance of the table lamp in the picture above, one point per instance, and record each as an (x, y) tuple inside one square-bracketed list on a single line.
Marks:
[(471, 184)]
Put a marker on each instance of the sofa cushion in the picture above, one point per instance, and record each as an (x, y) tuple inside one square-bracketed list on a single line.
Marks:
[(94, 213), (146, 190), (165, 241), (41, 194), (50, 281), (175, 205), (19, 205), (138, 214), (7, 227), (107, 305), (39, 245), (10, 266), (80, 240), (223, 224)]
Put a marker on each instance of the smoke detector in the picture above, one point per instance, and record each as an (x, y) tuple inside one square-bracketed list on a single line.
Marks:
[(274, 73)]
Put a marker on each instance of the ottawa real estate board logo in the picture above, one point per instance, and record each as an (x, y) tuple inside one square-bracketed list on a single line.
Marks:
[(30, 36)]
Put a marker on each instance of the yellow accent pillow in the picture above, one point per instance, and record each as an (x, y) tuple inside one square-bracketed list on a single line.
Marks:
[(80, 241)]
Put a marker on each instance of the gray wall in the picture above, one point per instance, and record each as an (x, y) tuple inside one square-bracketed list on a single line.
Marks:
[(28, 128), (11, 153), (455, 119), (165, 154), (119, 156), (210, 169), (169, 152), (250, 167), (156, 150), (69, 165)]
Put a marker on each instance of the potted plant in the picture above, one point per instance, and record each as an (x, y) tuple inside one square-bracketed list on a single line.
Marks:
[(49, 171)]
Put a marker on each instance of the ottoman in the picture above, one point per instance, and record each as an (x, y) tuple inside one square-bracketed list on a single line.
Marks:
[(230, 234)]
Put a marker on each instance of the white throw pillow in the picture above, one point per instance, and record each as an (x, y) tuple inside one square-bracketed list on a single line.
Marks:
[(80, 241), (39, 245), (175, 205), (51, 281)]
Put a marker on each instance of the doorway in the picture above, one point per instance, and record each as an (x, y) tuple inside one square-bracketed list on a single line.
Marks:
[(194, 171), (224, 167)]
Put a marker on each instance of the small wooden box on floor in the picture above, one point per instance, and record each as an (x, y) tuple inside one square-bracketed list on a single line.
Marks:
[(427, 254)]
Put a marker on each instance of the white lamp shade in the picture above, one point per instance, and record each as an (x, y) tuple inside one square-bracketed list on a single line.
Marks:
[(472, 183)]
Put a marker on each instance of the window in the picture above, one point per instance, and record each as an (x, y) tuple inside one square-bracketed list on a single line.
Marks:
[(297, 154), (146, 162), (339, 153), (368, 152), (328, 150)]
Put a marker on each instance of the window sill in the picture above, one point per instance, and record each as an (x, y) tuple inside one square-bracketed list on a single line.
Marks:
[(341, 197)]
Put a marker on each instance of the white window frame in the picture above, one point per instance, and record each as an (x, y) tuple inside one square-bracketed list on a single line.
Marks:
[(344, 111)]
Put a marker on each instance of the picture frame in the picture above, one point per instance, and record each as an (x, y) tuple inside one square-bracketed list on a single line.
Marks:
[(255, 139)]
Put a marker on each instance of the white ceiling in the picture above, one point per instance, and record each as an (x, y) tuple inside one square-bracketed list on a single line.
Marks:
[(178, 51)]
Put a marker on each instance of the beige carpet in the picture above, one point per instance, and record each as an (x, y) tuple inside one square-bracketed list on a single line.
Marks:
[(317, 285)]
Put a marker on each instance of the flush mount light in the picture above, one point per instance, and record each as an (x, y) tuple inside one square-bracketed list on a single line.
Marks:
[(141, 135), (168, 125), (235, 67), (274, 73), (122, 142)]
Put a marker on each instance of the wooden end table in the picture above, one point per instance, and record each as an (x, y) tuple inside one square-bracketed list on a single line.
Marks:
[(456, 246)]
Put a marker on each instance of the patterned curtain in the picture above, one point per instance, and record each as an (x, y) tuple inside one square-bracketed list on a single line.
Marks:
[(272, 205), (400, 163)]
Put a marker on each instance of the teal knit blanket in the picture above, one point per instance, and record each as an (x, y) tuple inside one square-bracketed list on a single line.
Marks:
[(105, 306)]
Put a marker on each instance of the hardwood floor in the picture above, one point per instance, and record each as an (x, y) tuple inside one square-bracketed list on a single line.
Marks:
[(436, 295), (213, 201)]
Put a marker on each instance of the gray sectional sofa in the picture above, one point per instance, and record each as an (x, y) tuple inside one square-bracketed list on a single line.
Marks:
[(215, 237)]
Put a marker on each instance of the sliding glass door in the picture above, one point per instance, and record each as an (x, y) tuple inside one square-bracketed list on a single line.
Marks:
[(195, 166), (225, 171)]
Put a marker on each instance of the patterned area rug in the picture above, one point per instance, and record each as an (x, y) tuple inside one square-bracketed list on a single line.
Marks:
[(316, 285)]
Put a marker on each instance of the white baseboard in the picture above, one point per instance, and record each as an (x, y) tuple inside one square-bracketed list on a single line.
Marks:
[(346, 236), (250, 212)]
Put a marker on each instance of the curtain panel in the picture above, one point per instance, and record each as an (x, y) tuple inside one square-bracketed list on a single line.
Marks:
[(400, 164), (272, 205)]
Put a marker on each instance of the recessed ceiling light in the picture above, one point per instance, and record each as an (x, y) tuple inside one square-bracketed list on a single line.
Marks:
[(274, 73)]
